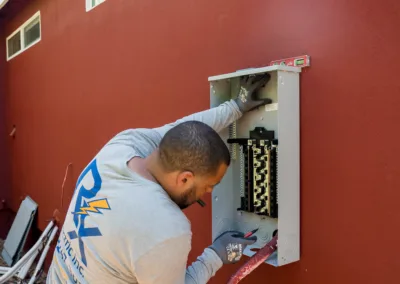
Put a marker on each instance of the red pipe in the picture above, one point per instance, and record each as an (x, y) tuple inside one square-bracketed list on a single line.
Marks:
[(254, 261)]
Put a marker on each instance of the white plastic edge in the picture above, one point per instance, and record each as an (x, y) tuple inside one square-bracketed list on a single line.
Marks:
[(251, 71)]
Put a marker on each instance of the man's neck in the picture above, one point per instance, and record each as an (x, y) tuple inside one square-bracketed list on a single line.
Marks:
[(139, 166), (148, 167), (152, 166)]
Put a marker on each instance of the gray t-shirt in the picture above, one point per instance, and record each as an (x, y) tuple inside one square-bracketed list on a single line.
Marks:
[(123, 228)]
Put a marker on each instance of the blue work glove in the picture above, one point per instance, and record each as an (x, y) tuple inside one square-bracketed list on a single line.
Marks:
[(249, 86), (230, 245)]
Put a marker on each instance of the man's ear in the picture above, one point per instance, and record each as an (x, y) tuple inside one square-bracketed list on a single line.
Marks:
[(185, 178)]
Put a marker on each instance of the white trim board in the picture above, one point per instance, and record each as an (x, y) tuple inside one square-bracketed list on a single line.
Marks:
[(3, 3), (90, 6)]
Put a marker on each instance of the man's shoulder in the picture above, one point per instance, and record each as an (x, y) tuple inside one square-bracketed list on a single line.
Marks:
[(158, 223), (146, 209), (166, 218)]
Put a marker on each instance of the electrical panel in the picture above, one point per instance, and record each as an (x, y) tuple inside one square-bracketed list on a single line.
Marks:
[(261, 189)]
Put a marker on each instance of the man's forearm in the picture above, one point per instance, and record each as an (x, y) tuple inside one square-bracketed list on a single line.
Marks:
[(217, 118), (203, 268)]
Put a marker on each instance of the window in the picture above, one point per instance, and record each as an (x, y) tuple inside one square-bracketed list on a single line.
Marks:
[(24, 37), (2, 3), (90, 4)]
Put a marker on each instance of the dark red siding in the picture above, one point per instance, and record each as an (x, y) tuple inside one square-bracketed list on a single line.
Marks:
[(4, 165), (5, 189), (144, 63)]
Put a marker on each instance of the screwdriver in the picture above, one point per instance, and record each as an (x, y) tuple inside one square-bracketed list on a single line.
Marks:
[(249, 234)]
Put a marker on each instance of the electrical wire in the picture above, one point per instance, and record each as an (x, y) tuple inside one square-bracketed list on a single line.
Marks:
[(13, 270), (63, 184)]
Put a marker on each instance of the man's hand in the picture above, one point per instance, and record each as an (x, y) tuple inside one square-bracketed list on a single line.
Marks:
[(249, 86), (230, 246)]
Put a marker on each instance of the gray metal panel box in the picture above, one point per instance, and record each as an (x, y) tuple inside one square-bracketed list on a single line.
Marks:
[(281, 116), (18, 233)]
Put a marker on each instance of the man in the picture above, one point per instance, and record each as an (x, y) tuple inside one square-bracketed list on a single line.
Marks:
[(125, 222)]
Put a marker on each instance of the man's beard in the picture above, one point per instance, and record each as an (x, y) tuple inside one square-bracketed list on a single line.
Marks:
[(187, 198)]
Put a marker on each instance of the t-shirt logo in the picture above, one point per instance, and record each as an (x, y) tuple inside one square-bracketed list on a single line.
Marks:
[(93, 206), (87, 204)]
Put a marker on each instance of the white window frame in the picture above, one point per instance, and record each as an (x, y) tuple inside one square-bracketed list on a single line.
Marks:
[(21, 30), (2, 3), (90, 6)]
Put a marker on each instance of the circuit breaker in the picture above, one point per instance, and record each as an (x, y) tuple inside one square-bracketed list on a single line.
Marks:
[(261, 189)]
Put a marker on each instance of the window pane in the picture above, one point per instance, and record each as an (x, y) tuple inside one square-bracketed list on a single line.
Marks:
[(14, 44), (32, 32)]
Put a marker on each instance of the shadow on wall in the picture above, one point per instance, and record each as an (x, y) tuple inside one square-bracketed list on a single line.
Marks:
[(4, 161)]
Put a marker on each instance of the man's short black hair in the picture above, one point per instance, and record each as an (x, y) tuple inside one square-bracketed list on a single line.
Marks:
[(193, 146)]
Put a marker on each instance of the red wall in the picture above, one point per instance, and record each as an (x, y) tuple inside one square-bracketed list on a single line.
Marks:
[(5, 215), (144, 63)]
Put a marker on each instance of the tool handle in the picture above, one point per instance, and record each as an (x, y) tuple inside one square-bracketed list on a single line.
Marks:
[(255, 261)]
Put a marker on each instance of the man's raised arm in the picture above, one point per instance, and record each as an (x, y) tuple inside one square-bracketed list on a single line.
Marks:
[(217, 118)]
